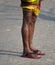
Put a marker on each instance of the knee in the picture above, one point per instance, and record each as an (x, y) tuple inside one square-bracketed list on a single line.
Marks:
[(24, 27)]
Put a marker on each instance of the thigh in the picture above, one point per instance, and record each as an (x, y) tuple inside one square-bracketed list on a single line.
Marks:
[(27, 15), (34, 17)]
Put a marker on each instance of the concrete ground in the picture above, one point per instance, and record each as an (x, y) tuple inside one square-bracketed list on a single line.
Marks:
[(10, 34)]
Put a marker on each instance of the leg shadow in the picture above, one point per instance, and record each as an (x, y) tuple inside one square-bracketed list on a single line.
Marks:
[(12, 53)]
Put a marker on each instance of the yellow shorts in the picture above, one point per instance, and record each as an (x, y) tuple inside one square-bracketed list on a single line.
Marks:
[(34, 8), (31, 5)]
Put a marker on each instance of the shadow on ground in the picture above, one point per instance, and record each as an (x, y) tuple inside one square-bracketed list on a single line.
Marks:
[(48, 15), (12, 53)]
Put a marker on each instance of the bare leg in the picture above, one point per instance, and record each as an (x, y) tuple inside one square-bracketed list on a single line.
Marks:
[(31, 32), (27, 16), (31, 29)]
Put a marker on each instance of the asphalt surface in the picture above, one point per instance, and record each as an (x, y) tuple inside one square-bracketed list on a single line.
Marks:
[(10, 34)]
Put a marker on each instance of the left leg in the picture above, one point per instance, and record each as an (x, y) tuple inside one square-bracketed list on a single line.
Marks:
[(31, 31), (31, 34)]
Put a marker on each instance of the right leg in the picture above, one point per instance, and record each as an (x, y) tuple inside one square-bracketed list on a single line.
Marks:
[(27, 16)]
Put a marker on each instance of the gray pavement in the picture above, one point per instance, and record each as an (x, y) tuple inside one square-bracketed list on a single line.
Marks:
[(10, 34)]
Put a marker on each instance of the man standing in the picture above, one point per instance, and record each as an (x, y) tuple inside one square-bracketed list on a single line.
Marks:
[(31, 9)]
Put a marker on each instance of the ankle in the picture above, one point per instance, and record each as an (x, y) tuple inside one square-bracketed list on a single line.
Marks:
[(27, 51), (31, 48)]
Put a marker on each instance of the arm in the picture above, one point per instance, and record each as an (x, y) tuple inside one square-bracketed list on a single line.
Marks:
[(40, 2)]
